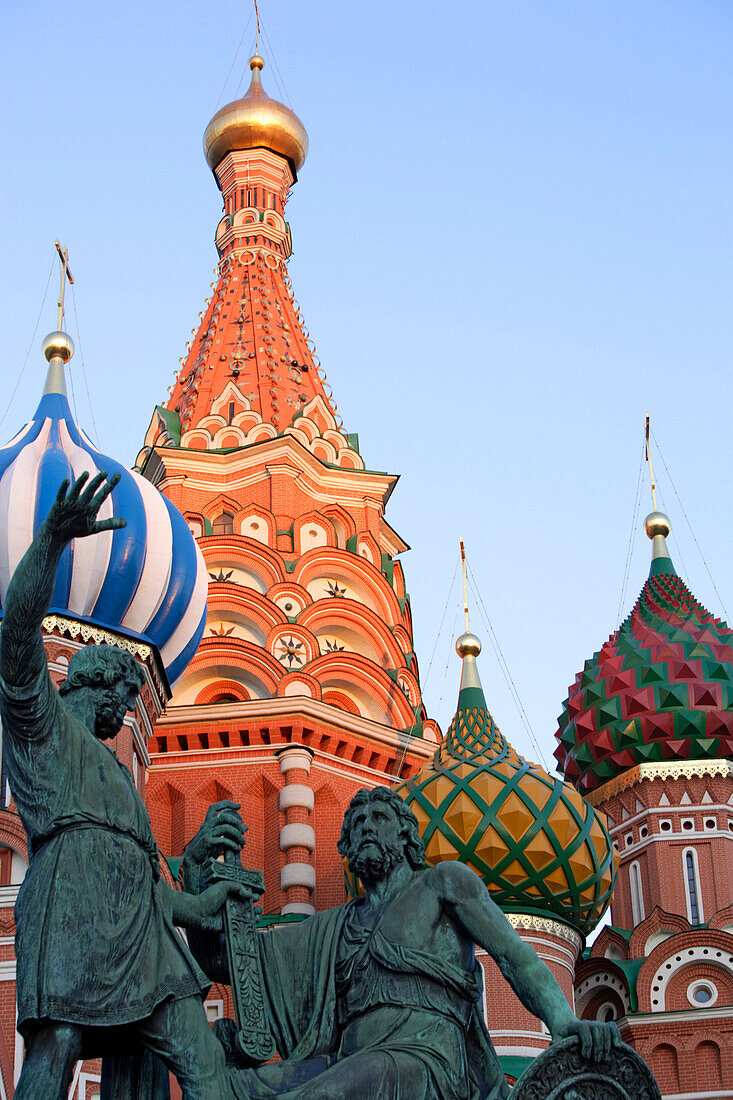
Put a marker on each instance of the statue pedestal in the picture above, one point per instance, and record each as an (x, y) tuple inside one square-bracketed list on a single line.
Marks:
[(561, 1073)]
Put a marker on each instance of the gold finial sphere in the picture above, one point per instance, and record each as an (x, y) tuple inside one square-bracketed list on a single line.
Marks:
[(256, 62), (656, 523), (468, 645), (58, 345)]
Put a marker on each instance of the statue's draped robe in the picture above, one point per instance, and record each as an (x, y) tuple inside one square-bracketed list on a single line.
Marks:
[(337, 990), (95, 942)]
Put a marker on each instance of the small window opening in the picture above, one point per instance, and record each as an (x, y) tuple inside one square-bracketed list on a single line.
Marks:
[(223, 524)]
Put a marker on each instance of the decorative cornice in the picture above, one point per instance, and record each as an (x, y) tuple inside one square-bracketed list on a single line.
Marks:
[(277, 707), (534, 923), (666, 769), (96, 634), (146, 653)]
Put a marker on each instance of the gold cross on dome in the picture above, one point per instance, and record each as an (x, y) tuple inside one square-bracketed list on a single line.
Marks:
[(65, 274)]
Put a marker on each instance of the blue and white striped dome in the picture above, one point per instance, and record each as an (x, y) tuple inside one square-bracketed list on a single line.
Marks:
[(147, 579)]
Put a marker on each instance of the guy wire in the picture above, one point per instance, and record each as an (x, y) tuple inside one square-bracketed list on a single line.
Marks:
[(630, 547), (30, 345), (524, 718), (83, 366), (694, 539)]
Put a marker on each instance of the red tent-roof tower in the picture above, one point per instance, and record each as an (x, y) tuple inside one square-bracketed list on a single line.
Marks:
[(305, 686)]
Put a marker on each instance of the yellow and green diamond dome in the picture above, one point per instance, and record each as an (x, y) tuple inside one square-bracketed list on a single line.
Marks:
[(536, 843)]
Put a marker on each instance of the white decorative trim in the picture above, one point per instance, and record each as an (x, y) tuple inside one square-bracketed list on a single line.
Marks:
[(701, 983), (637, 892), (686, 884), (9, 895), (558, 950), (217, 1006), (666, 769), (294, 756), (521, 1052), (684, 958), (298, 874), (84, 1080), (297, 835), (511, 1033), (7, 970), (679, 1016), (545, 924), (296, 795), (598, 983), (299, 907), (717, 1095), (95, 634)]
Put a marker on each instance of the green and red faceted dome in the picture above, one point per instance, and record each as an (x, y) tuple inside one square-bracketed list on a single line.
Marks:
[(661, 688), (537, 845)]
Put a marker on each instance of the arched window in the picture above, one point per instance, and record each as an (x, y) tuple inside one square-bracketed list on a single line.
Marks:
[(708, 1064), (223, 524), (637, 897), (665, 1066), (692, 886)]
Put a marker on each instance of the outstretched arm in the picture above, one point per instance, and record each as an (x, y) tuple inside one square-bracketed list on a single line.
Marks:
[(72, 515), (468, 901)]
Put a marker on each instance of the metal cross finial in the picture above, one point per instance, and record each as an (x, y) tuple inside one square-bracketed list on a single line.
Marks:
[(651, 468), (65, 274), (257, 31), (465, 586)]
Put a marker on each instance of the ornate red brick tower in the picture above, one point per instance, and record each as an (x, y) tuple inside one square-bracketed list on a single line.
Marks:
[(647, 734), (305, 686)]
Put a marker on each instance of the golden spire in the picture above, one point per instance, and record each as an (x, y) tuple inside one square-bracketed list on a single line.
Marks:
[(468, 646), (58, 347), (656, 524)]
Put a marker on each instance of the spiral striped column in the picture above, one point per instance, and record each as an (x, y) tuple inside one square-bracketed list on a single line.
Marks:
[(297, 836)]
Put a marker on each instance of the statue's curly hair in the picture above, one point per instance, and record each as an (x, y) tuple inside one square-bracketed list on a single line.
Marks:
[(414, 847), (101, 666)]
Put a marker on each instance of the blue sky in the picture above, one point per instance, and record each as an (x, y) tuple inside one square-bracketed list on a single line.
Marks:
[(512, 240)]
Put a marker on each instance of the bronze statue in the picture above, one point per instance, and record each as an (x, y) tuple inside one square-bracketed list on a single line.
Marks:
[(378, 997), (100, 965)]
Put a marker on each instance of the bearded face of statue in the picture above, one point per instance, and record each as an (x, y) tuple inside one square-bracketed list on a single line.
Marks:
[(376, 843), (110, 707)]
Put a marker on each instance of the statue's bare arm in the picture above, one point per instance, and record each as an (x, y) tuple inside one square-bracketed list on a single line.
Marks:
[(72, 515), (467, 900)]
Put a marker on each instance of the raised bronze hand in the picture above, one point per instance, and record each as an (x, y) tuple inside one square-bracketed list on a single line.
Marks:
[(73, 514)]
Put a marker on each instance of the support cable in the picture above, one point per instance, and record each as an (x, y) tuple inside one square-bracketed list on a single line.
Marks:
[(440, 628), (30, 345), (694, 539), (234, 61), (631, 543), (524, 718), (280, 83), (83, 369), (447, 663)]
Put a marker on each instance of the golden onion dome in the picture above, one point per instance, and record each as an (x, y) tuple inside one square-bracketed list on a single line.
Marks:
[(536, 843), (253, 122)]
